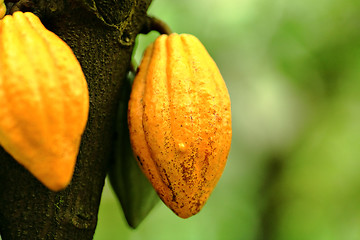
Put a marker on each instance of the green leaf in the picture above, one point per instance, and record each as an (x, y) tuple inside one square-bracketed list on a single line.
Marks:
[(133, 190)]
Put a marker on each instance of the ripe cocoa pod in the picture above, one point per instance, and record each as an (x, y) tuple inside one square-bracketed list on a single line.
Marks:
[(43, 97), (134, 192), (2, 9), (180, 121)]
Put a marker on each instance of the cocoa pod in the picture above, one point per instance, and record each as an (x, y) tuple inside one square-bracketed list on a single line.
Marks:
[(180, 121), (43, 97)]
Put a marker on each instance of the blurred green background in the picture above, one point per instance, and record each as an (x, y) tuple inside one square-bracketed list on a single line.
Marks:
[(293, 72)]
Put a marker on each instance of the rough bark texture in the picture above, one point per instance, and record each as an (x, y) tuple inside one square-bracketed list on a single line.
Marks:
[(102, 35)]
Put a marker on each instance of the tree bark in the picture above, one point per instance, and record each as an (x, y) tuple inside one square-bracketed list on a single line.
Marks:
[(101, 34)]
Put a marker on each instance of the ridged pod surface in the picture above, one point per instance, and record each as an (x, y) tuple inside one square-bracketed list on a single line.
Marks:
[(43, 97), (180, 121)]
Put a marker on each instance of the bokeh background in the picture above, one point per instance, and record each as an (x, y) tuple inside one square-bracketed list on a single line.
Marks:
[(293, 72)]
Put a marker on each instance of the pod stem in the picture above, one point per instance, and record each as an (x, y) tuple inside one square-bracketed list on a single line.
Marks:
[(155, 24)]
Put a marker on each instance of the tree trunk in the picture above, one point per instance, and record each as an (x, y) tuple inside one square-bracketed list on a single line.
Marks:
[(101, 34)]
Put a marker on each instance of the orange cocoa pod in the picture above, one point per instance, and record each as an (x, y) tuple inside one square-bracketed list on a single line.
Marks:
[(43, 97), (180, 121)]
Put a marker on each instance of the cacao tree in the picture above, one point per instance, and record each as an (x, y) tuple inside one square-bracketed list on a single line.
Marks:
[(101, 34)]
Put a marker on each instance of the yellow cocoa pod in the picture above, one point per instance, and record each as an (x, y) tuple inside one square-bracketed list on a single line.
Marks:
[(180, 121), (2, 9), (43, 97)]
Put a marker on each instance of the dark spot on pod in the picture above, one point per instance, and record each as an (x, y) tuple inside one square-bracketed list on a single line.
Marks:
[(139, 160)]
